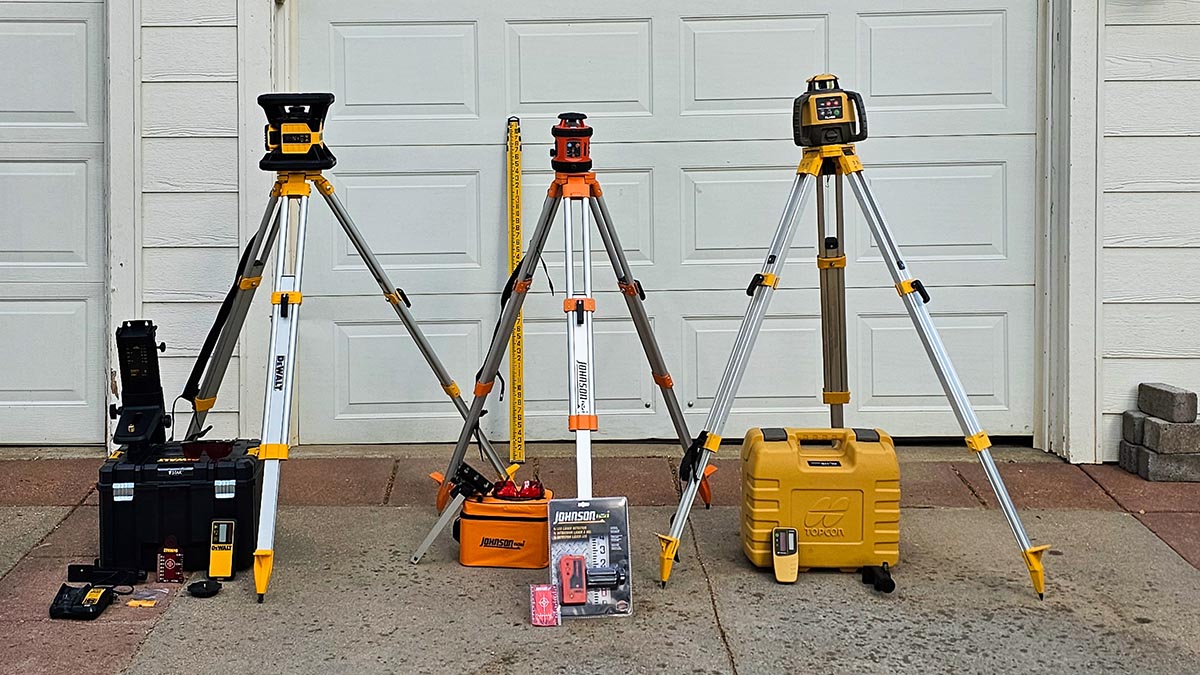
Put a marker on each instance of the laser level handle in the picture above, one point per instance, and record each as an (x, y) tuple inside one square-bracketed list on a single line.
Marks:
[(860, 116), (277, 106)]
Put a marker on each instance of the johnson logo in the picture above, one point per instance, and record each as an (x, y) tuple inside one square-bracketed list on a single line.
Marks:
[(574, 517), (823, 519), (582, 369), (507, 544)]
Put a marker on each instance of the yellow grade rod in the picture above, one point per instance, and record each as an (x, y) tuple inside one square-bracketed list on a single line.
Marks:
[(516, 347)]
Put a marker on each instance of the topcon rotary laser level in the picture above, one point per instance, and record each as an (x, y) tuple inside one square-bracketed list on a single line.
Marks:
[(827, 121), (296, 151)]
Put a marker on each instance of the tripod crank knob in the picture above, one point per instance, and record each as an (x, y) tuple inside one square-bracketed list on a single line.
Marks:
[(162, 347)]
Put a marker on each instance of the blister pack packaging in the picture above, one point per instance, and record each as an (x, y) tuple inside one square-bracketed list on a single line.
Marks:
[(589, 556)]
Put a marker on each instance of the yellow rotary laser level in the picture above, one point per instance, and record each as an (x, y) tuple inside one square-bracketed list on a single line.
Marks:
[(826, 114)]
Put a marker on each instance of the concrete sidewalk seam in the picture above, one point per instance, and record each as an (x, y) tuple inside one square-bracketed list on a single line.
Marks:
[(1109, 493), (712, 599), (974, 493), (387, 491)]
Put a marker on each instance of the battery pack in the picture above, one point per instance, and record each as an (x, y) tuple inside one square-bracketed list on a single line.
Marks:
[(839, 489)]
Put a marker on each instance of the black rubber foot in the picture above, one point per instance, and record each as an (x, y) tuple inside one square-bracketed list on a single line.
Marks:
[(707, 507), (662, 584), (260, 598), (1041, 596), (879, 577)]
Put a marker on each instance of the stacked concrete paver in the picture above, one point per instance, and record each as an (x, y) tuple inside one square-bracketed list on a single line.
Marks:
[(1161, 439)]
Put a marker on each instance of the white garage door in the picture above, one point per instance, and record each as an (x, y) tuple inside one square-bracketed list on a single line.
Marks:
[(52, 233), (691, 104)]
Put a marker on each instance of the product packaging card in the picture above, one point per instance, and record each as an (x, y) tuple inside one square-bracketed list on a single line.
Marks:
[(543, 605), (589, 556)]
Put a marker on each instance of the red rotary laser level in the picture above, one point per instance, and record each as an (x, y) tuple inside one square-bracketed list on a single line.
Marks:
[(572, 141)]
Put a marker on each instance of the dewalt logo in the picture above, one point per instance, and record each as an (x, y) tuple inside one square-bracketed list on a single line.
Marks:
[(825, 517)]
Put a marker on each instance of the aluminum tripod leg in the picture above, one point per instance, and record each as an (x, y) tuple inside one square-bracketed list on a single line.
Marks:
[(491, 363), (249, 277), (709, 438), (448, 514), (400, 303), (581, 353), (277, 412), (631, 289), (911, 291), (831, 265)]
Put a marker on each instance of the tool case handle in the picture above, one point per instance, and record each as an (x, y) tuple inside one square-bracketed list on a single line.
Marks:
[(824, 434)]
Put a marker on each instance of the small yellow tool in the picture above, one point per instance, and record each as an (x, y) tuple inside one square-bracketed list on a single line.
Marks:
[(220, 550), (785, 555)]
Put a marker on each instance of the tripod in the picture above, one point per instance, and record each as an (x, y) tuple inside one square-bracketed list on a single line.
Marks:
[(827, 121), (575, 183), (297, 153)]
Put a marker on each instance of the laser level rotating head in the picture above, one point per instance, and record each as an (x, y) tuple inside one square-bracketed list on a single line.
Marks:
[(572, 139), (295, 132), (826, 114)]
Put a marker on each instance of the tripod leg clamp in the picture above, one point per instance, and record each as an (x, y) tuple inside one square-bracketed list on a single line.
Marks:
[(979, 442), (271, 451), (836, 397), (247, 283), (203, 404), (831, 263), (913, 286), (664, 380), (287, 298), (762, 280), (452, 390)]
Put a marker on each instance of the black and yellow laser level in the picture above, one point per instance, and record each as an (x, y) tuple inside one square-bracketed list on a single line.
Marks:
[(296, 151), (827, 120), (295, 132), (826, 114)]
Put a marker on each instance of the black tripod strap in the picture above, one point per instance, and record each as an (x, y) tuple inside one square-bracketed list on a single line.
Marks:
[(192, 387)]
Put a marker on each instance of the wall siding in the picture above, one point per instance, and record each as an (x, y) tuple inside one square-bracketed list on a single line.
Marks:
[(189, 185), (1150, 179)]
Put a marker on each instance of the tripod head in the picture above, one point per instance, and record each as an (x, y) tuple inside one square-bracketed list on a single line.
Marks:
[(143, 418), (826, 114), (571, 151), (295, 126)]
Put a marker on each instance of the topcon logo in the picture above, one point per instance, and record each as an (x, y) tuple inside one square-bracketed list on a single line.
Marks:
[(823, 519)]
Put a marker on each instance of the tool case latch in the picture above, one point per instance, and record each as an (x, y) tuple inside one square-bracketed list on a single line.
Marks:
[(224, 489), (122, 492)]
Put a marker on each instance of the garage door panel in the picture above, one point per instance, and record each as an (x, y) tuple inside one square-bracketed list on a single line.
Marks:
[(949, 212), (433, 217), (784, 51), (897, 376), (51, 391), (62, 43), (444, 87), (361, 378), (51, 240), (603, 64), (781, 369)]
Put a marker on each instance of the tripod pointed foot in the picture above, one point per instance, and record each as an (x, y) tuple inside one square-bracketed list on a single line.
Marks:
[(1037, 573), (263, 561), (670, 551)]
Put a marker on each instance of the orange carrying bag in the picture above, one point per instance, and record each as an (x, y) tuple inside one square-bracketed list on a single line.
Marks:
[(494, 532)]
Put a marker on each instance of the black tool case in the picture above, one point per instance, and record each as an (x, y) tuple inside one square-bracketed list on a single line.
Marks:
[(176, 492)]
